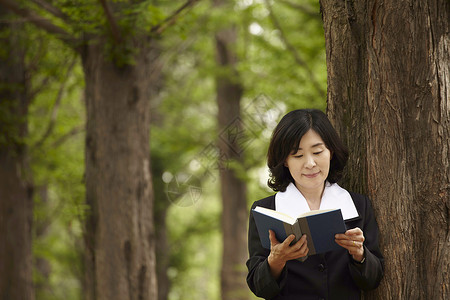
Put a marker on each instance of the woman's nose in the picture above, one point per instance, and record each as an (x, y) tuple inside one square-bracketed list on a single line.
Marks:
[(310, 162)]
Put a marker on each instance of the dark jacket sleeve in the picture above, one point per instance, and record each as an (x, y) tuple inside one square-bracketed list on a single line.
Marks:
[(367, 276), (259, 279)]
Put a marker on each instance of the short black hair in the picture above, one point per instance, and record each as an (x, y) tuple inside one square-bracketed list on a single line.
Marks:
[(286, 138)]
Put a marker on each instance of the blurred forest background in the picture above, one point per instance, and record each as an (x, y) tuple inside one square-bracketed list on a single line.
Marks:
[(133, 137), (278, 64)]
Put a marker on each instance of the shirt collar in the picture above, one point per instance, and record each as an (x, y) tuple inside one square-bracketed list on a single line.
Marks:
[(293, 203)]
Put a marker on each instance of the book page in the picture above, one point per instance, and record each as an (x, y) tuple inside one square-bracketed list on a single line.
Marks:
[(276, 214), (315, 212)]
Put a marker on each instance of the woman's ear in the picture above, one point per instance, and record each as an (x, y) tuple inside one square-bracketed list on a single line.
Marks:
[(286, 162)]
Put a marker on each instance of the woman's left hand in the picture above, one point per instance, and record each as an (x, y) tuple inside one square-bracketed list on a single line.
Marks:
[(352, 240)]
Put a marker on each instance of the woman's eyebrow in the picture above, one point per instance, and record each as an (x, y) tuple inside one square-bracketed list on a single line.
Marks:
[(315, 145)]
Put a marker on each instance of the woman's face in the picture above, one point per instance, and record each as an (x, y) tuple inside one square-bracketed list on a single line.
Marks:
[(309, 166)]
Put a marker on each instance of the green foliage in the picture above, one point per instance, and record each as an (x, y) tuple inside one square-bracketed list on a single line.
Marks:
[(274, 69), (195, 248), (184, 130), (146, 16), (84, 17), (56, 148)]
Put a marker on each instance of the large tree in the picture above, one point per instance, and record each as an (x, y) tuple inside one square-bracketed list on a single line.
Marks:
[(388, 95), (231, 142), (15, 186), (117, 42)]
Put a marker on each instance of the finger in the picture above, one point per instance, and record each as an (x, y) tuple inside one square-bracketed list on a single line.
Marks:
[(348, 238), (351, 245), (354, 232), (355, 244), (304, 247), (341, 236), (302, 251), (301, 241), (288, 240), (301, 244), (272, 238), (358, 249), (342, 243)]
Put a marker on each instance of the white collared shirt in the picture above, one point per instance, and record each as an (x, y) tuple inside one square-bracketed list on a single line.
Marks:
[(293, 203)]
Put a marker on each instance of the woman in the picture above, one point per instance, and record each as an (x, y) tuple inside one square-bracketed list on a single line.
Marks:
[(306, 159)]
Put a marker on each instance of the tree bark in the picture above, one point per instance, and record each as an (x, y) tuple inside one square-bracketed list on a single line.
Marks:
[(161, 206), (16, 206), (233, 188), (388, 95), (120, 258), (42, 267)]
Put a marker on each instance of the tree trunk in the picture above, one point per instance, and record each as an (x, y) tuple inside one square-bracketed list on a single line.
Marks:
[(161, 206), (16, 209), (162, 250), (233, 188), (41, 228), (388, 95), (120, 256)]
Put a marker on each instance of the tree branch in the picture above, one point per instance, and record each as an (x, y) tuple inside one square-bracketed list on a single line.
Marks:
[(40, 87), (54, 114), (35, 60), (51, 9), (298, 59), (76, 130), (111, 20), (40, 22), (303, 8), (158, 29)]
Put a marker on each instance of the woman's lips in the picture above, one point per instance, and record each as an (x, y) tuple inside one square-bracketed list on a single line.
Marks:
[(311, 175)]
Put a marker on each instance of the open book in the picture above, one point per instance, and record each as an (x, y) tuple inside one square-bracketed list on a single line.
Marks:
[(320, 227)]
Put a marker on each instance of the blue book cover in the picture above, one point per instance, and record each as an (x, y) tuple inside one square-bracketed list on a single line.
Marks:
[(320, 227)]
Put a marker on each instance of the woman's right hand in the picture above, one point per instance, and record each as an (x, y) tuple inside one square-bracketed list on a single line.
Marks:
[(280, 253)]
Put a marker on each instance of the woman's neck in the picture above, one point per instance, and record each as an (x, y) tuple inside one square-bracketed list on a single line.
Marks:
[(313, 197)]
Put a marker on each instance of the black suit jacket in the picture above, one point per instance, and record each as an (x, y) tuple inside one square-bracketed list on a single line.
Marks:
[(333, 275)]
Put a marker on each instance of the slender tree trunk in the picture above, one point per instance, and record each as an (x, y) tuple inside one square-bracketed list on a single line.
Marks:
[(162, 250), (388, 94), (120, 258), (16, 209), (233, 189), (161, 205), (42, 267)]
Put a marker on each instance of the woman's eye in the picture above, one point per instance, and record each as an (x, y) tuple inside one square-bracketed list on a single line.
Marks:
[(298, 156), (317, 153)]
